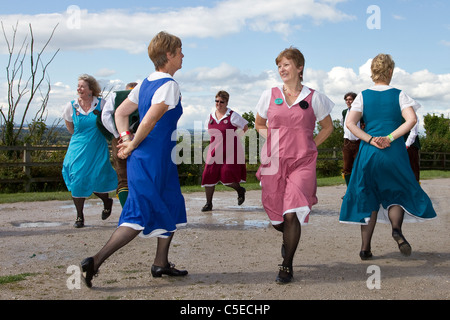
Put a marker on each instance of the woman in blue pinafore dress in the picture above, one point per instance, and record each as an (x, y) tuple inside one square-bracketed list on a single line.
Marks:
[(383, 186), (86, 167), (155, 206)]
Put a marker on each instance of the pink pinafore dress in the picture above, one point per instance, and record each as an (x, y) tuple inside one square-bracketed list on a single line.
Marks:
[(288, 159), (225, 161)]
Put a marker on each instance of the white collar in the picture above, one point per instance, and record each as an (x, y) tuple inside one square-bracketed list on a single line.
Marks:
[(303, 94), (213, 114), (94, 103), (158, 75)]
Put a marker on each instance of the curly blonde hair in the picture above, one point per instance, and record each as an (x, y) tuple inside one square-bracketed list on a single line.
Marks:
[(92, 83), (382, 67)]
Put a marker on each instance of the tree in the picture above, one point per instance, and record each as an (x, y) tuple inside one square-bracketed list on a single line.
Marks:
[(437, 130), (25, 86)]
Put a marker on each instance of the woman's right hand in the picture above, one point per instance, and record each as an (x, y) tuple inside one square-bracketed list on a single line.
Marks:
[(125, 148), (381, 142)]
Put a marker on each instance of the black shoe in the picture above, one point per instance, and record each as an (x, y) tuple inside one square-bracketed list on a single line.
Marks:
[(87, 265), (169, 270), (79, 223), (365, 255), (285, 274), (241, 196), (207, 207), (107, 211), (403, 245)]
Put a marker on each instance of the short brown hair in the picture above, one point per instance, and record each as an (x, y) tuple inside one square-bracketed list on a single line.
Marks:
[(160, 45), (350, 94), (92, 83), (224, 95), (382, 67), (293, 54)]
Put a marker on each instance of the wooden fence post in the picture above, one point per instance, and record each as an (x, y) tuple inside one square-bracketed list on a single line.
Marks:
[(26, 168)]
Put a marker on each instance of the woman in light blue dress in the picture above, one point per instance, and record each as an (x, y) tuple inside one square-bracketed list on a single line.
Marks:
[(382, 185), (155, 206), (86, 167)]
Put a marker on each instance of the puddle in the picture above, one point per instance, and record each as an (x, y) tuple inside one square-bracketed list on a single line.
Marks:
[(36, 224)]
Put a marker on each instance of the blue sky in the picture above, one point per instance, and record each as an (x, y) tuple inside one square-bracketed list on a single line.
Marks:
[(232, 44)]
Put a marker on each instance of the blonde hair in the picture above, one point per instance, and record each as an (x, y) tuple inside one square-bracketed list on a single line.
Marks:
[(92, 83), (293, 54), (160, 45), (382, 67)]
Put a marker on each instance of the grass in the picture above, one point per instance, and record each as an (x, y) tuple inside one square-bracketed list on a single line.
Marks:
[(321, 182), (15, 278)]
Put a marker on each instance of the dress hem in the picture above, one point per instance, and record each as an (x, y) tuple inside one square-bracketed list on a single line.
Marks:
[(155, 233), (383, 217)]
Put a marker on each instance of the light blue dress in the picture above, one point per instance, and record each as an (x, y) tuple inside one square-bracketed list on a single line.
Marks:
[(87, 167), (383, 177), (155, 204)]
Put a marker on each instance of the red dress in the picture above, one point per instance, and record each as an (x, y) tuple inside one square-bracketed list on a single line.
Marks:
[(225, 161)]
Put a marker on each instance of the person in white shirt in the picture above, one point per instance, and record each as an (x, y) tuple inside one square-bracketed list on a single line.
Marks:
[(351, 142), (114, 100)]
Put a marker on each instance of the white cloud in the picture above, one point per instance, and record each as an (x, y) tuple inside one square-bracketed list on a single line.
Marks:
[(105, 72), (131, 31)]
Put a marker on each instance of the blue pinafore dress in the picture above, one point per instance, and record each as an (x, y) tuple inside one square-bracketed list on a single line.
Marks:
[(87, 167), (383, 177), (155, 204)]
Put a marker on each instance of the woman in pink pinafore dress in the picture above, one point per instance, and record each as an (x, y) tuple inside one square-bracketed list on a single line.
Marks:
[(225, 161), (287, 116)]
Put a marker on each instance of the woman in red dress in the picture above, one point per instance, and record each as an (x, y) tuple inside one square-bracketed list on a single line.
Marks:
[(225, 161)]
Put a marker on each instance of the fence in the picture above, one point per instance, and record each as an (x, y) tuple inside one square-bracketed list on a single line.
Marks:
[(428, 160)]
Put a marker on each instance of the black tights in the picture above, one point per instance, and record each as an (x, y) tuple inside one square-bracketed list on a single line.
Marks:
[(396, 214), (122, 236), (210, 190), (291, 230), (79, 203)]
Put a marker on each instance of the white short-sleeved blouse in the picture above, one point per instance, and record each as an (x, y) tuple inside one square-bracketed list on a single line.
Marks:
[(68, 110), (169, 93), (404, 100)]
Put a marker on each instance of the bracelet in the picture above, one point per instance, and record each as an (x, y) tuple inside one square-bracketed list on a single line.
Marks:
[(391, 137), (370, 140), (125, 133), (126, 139)]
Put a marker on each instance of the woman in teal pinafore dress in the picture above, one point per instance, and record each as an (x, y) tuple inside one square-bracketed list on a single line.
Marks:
[(86, 167), (383, 186)]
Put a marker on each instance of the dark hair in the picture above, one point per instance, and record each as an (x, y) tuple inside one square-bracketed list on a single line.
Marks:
[(351, 94)]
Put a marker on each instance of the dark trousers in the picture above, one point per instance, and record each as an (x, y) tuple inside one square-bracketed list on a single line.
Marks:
[(349, 151)]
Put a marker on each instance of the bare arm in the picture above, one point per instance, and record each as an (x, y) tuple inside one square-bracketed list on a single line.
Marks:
[(261, 125), (146, 125), (381, 142), (327, 129), (69, 126)]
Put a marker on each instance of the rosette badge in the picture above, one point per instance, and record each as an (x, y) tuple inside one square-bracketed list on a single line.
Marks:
[(304, 104)]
